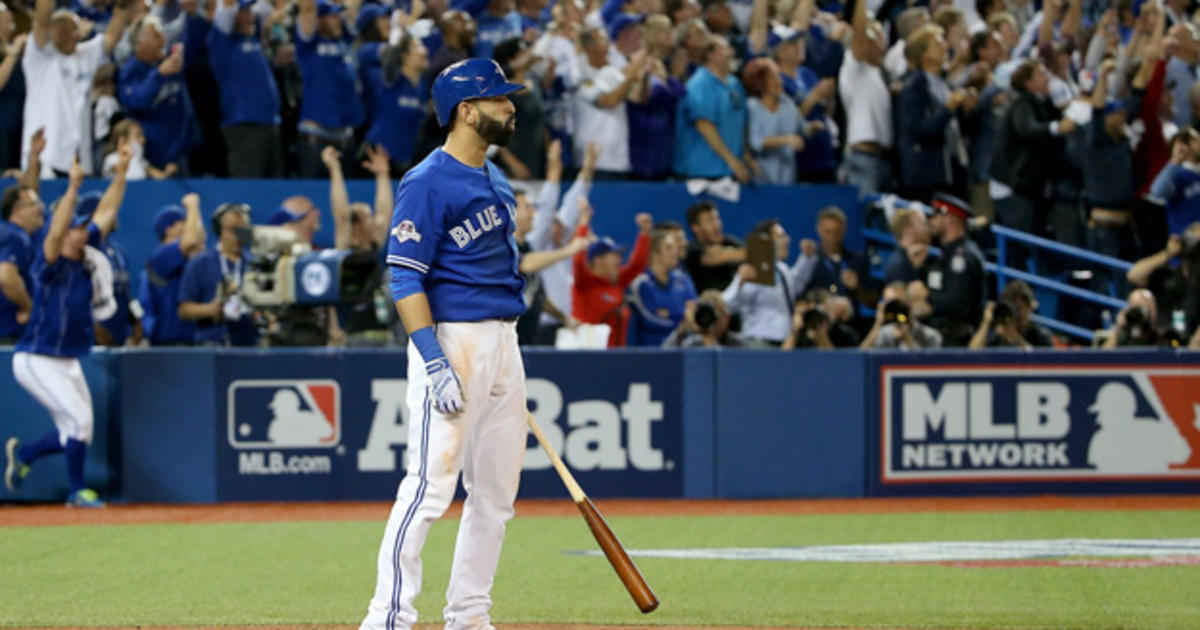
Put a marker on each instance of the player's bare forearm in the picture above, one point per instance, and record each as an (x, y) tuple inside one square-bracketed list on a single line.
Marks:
[(60, 223), (41, 22), (13, 287), (110, 204), (414, 312), (194, 234), (195, 311), (385, 204)]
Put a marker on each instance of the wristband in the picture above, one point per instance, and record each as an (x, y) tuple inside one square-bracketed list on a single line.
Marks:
[(426, 342)]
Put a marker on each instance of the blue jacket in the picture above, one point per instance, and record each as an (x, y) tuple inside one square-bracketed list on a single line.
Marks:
[(162, 106), (921, 134)]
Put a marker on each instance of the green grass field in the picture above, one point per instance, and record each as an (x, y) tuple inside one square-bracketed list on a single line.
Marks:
[(323, 572)]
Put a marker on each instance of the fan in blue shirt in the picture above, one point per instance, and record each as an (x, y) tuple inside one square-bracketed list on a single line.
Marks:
[(152, 88), (710, 124), (400, 100), (332, 103), (326, 59), (661, 294), (1178, 186), (249, 94), (208, 291), (497, 22), (23, 216), (373, 27), (180, 232)]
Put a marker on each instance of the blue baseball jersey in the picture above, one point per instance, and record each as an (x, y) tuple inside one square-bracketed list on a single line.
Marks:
[(201, 278), (163, 107), (370, 76), (491, 30), (164, 275), (249, 94), (454, 224), (16, 248), (61, 322), (331, 97), (657, 308), (400, 110), (120, 325)]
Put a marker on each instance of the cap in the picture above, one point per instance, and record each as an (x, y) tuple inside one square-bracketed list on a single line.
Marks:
[(165, 218), (246, 4), (781, 34), (602, 246), (283, 216), (466, 80), (367, 14), (610, 10), (85, 207), (325, 7), (623, 21), (949, 204), (1114, 105)]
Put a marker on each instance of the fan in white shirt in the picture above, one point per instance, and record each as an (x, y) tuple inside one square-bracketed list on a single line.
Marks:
[(58, 80)]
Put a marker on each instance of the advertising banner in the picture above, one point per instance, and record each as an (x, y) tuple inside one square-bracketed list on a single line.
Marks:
[(1038, 424), (306, 426)]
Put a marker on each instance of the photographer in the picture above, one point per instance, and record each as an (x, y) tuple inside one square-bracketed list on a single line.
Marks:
[(1009, 323), (208, 291), (1174, 276), (999, 328), (705, 325), (1136, 323), (895, 327), (810, 329)]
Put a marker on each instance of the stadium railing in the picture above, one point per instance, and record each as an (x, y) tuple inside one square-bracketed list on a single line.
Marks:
[(1002, 273)]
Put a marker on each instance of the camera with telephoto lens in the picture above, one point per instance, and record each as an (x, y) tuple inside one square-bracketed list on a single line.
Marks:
[(1139, 330), (814, 318), (896, 312), (705, 315), (281, 271), (1003, 313)]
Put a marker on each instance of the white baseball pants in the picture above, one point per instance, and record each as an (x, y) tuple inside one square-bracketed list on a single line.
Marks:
[(486, 442), (58, 384)]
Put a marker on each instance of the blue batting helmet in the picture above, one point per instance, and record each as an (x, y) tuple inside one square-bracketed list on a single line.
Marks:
[(467, 80)]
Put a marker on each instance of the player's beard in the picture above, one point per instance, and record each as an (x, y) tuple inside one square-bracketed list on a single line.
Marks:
[(493, 130)]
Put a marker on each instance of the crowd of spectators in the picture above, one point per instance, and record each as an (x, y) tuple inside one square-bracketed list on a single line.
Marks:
[(1078, 120)]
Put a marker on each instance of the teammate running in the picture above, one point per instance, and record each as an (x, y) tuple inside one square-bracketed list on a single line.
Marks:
[(46, 362), (458, 291)]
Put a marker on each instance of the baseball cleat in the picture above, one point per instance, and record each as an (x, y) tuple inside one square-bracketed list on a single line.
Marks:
[(14, 469), (84, 498)]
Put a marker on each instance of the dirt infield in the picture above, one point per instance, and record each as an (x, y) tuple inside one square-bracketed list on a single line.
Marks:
[(41, 515)]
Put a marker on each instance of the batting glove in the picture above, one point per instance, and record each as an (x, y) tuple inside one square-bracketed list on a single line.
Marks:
[(445, 386)]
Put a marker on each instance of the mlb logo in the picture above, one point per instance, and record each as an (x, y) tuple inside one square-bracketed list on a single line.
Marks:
[(1039, 423), (284, 414)]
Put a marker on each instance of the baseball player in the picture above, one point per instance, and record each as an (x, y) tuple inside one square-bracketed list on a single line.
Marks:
[(46, 362), (458, 291)]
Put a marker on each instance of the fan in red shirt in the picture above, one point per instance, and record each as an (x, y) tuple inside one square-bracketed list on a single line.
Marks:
[(598, 295)]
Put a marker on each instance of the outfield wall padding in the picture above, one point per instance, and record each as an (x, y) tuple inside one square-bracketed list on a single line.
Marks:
[(203, 426)]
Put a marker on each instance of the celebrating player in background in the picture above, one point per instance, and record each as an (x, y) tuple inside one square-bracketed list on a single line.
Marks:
[(46, 362), (454, 266), (181, 237)]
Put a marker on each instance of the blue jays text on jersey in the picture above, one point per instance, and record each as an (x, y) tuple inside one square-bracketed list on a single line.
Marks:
[(454, 224)]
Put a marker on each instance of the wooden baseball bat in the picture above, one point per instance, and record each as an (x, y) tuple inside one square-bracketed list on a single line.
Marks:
[(613, 550)]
